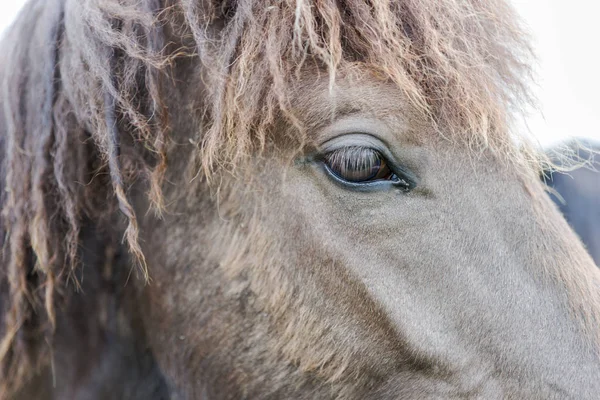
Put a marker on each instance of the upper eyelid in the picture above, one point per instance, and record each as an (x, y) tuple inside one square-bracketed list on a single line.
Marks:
[(355, 150), (355, 139), (376, 129)]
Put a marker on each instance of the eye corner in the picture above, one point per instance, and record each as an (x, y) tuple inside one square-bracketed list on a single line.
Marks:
[(404, 184)]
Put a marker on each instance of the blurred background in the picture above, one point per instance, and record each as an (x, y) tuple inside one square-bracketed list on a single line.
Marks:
[(566, 36)]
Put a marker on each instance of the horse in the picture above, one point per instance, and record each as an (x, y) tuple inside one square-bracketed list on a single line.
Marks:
[(577, 192), (247, 199)]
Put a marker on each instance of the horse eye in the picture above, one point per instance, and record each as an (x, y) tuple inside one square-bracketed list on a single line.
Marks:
[(358, 165)]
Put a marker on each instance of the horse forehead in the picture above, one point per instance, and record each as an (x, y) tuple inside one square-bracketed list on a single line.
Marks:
[(322, 102)]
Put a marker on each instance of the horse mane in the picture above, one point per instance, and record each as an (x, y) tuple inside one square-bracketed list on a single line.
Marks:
[(84, 115)]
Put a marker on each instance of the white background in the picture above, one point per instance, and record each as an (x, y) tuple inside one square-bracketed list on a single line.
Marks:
[(567, 40)]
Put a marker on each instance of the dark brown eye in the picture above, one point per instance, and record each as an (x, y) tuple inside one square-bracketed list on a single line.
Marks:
[(358, 164)]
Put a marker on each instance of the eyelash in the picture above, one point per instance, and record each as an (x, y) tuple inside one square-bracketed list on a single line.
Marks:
[(361, 166)]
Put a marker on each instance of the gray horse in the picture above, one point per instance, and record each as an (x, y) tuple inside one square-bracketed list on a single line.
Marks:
[(577, 194)]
